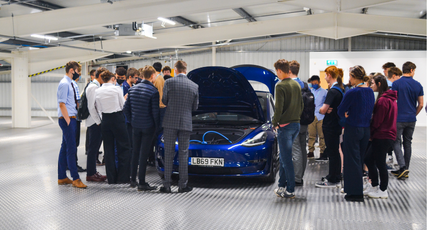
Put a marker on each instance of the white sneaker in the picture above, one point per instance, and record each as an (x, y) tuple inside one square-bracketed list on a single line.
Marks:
[(378, 194), (370, 189), (366, 184)]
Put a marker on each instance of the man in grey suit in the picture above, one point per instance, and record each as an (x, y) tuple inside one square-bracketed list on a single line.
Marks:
[(181, 96)]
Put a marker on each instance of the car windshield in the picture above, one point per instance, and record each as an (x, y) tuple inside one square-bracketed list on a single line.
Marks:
[(223, 118)]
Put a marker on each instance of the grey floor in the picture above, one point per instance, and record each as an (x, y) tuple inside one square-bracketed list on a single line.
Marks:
[(31, 199)]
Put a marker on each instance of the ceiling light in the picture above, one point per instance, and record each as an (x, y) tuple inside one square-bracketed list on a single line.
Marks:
[(128, 52), (165, 20), (46, 37)]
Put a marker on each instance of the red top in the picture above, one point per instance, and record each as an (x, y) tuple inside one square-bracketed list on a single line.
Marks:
[(383, 124)]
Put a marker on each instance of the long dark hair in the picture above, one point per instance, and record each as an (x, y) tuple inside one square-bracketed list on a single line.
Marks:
[(381, 87)]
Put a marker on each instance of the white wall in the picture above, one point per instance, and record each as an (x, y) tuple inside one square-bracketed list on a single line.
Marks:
[(372, 62)]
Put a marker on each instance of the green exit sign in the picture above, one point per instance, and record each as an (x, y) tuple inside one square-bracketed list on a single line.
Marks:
[(331, 62)]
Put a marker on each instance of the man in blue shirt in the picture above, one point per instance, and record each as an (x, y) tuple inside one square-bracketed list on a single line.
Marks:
[(409, 103), (315, 128), (67, 112), (386, 68)]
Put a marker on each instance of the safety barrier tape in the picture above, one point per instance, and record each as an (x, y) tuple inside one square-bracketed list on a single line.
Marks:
[(47, 71)]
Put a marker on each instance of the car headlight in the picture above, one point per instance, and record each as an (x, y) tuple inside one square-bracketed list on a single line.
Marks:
[(258, 139)]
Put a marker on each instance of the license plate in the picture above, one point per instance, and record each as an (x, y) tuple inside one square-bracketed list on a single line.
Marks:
[(203, 161)]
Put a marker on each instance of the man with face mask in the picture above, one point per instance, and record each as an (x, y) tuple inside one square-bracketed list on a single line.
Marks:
[(67, 113), (315, 128), (120, 75), (76, 78)]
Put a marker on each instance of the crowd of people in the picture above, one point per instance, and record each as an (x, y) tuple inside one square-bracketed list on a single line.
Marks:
[(356, 125), (125, 112)]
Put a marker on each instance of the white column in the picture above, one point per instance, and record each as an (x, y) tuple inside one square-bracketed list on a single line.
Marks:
[(349, 44), (213, 54), (21, 91)]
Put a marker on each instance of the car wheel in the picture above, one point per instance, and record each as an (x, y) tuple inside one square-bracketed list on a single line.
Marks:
[(274, 165)]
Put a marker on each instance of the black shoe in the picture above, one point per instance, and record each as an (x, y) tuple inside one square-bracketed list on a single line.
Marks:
[(321, 158), (133, 184), (356, 198), (165, 190), (80, 169), (403, 173), (395, 172), (146, 187), (299, 183), (186, 189)]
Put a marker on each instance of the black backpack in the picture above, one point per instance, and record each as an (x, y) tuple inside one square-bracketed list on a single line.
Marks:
[(83, 111), (307, 116)]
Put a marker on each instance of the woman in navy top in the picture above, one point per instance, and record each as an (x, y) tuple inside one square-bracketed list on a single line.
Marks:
[(357, 106)]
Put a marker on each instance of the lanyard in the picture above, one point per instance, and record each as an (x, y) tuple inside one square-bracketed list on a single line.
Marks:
[(360, 84)]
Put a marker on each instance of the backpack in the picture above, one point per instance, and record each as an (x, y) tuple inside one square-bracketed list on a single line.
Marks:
[(341, 121), (83, 111), (307, 115)]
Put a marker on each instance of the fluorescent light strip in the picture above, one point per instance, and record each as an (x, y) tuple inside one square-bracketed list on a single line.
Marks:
[(166, 21), (46, 37)]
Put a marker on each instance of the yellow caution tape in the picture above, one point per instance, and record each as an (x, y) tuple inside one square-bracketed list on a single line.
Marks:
[(47, 71)]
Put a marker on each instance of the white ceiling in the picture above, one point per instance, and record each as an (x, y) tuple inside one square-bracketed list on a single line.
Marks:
[(331, 18)]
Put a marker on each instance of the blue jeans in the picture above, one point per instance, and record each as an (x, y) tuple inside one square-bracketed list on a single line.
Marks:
[(67, 154), (286, 136)]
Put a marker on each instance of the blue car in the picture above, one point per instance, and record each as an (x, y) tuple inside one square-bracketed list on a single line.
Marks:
[(232, 132)]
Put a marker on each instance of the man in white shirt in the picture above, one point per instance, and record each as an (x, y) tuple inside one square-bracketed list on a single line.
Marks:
[(109, 101), (93, 124)]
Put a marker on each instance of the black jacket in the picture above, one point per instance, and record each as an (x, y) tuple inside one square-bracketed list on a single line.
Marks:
[(142, 106)]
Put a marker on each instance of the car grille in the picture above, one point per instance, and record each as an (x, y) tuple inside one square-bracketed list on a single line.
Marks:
[(213, 170)]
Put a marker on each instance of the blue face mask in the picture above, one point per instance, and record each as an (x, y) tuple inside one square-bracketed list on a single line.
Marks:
[(315, 86), (310, 85)]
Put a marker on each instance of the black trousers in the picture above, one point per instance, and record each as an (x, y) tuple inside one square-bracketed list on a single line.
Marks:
[(332, 142), (376, 161), (159, 130), (113, 127), (354, 148), (142, 140), (94, 135)]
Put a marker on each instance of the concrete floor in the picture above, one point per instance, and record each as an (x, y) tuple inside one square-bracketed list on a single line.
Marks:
[(31, 199)]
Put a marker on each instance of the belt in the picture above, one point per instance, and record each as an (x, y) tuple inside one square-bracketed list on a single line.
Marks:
[(70, 117)]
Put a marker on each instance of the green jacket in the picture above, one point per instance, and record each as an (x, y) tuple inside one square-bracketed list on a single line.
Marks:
[(289, 103)]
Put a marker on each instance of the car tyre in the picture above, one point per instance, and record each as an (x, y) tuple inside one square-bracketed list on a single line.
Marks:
[(274, 165)]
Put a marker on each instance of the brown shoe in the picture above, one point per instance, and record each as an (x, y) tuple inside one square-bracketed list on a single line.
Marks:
[(65, 181), (101, 176), (310, 155), (97, 177), (79, 184), (94, 178)]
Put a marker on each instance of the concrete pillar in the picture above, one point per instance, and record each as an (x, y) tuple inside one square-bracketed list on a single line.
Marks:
[(21, 91), (213, 54)]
